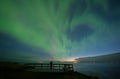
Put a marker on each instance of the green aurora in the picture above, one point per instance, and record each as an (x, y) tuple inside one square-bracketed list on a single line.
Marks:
[(49, 25)]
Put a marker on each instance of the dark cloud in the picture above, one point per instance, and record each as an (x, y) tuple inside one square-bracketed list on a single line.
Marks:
[(79, 32)]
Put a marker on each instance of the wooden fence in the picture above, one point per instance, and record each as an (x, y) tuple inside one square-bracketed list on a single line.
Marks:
[(43, 67)]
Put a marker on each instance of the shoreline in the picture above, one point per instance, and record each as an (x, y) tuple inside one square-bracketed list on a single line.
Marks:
[(17, 71)]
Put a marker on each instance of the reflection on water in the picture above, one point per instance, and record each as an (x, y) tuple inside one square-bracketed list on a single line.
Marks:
[(103, 70)]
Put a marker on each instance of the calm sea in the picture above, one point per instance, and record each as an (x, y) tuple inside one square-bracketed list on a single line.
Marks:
[(102, 70)]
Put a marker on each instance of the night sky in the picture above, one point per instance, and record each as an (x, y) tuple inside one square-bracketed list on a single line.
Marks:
[(31, 30)]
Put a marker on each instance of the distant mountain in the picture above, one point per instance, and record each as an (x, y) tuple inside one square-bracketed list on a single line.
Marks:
[(110, 58)]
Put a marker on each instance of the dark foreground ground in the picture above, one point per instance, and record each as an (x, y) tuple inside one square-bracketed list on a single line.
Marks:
[(17, 71), (44, 75)]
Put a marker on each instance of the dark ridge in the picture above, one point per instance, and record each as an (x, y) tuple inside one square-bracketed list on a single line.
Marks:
[(109, 58)]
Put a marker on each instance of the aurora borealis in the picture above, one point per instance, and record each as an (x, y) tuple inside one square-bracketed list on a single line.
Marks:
[(58, 29)]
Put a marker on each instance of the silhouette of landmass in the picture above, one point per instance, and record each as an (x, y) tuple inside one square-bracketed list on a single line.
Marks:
[(110, 58)]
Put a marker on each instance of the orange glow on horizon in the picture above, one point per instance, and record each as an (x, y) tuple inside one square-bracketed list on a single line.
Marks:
[(68, 60)]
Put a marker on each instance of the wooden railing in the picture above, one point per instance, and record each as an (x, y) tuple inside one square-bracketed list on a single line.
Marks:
[(43, 67)]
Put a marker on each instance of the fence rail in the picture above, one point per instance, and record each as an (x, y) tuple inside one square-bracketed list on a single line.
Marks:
[(43, 67)]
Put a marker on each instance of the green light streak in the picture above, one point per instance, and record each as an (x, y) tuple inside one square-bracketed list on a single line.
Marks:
[(38, 23)]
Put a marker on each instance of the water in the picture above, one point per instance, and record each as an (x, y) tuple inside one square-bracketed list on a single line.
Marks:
[(102, 70)]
